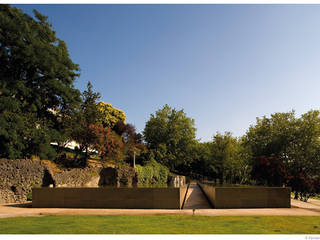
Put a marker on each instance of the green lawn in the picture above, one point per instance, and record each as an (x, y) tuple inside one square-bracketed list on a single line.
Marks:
[(160, 224), (316, 197)]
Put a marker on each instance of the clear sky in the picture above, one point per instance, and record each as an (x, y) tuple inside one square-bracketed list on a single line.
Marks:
[(224, 65)]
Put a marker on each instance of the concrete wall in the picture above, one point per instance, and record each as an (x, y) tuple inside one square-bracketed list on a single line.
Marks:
[(183, 192), (143, 198), (209, 191), (248, 197)]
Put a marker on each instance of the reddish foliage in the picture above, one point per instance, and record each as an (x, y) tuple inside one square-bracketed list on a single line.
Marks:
[(119, 128), (108, 144), (303, 185), (317, 186), (269, 171)]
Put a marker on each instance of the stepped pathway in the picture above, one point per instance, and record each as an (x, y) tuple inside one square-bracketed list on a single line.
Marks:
[(195, 198)]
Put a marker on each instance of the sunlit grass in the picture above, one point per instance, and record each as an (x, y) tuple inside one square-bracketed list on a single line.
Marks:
[(160, 224)]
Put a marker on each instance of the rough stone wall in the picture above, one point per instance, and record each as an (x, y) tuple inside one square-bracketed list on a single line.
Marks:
[(123, 176), (17, 177), (77, 177)]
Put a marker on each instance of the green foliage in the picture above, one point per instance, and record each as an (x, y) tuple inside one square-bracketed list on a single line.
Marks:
[(29, 196), (36, 81), (224, 158), (295, 141), (152, 173), (110, 115), (229, 159), (86, 116), (169, 134)]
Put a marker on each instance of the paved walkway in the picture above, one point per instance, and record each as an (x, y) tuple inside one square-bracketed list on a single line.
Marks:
[(195, 198), (298, 209)]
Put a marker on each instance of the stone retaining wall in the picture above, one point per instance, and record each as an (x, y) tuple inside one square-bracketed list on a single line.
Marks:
[(19, 176)]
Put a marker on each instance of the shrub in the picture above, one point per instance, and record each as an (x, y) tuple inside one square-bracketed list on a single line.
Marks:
[(29, 196), (303, 186), (152, 173)]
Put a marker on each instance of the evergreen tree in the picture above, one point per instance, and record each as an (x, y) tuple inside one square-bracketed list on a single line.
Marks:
[(36, 84), (84, 121)]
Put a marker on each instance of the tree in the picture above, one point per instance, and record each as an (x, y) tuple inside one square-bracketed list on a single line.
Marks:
[(133, 141), (87, 115), (36, 81), (269, 171), (110, 115), (272, 136), (169, 134), (107, 143), (228, 159), (296, 142), (200, 166)]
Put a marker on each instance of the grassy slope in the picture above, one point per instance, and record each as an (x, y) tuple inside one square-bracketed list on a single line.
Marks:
[(160, 224)]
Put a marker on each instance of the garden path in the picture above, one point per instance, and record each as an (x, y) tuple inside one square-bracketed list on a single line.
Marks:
[(298, 208)]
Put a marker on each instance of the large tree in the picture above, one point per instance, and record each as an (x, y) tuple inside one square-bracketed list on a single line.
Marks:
[(169, 134), (85, 121), (110, 115), (295, 141), (36, 82)]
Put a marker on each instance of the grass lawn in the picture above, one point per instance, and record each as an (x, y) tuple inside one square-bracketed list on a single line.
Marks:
[(160, 224), (316, 197)]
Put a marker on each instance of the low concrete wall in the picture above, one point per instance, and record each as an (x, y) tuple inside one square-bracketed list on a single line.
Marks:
[(248, 197), (209, 191), (136, 198)]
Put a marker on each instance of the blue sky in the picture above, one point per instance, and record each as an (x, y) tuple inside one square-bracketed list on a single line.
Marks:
[(224, 65)]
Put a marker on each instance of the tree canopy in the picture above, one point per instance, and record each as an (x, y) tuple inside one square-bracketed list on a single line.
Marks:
[(169, 134), (36, 80), (110, 115), (295, 141)]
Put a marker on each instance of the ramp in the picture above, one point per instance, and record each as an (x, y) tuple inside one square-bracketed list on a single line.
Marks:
[(195, 198)]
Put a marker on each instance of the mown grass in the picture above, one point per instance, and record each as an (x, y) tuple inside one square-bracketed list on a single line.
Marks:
[(121, 224), (317, 197)]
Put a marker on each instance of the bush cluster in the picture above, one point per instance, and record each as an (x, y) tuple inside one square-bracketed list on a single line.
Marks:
[(152, 173)]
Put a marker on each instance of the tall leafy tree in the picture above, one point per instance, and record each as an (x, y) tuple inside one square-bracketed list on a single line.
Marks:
[(201, 165), (36, 82), (84, 121), (169, 134), (295, 141), (228, 159)]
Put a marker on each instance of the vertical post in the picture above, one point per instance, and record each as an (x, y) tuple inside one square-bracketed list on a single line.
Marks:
[(134, 159)]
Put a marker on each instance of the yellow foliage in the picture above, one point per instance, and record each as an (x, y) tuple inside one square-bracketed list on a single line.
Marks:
[(35, 158), (111, 115)]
